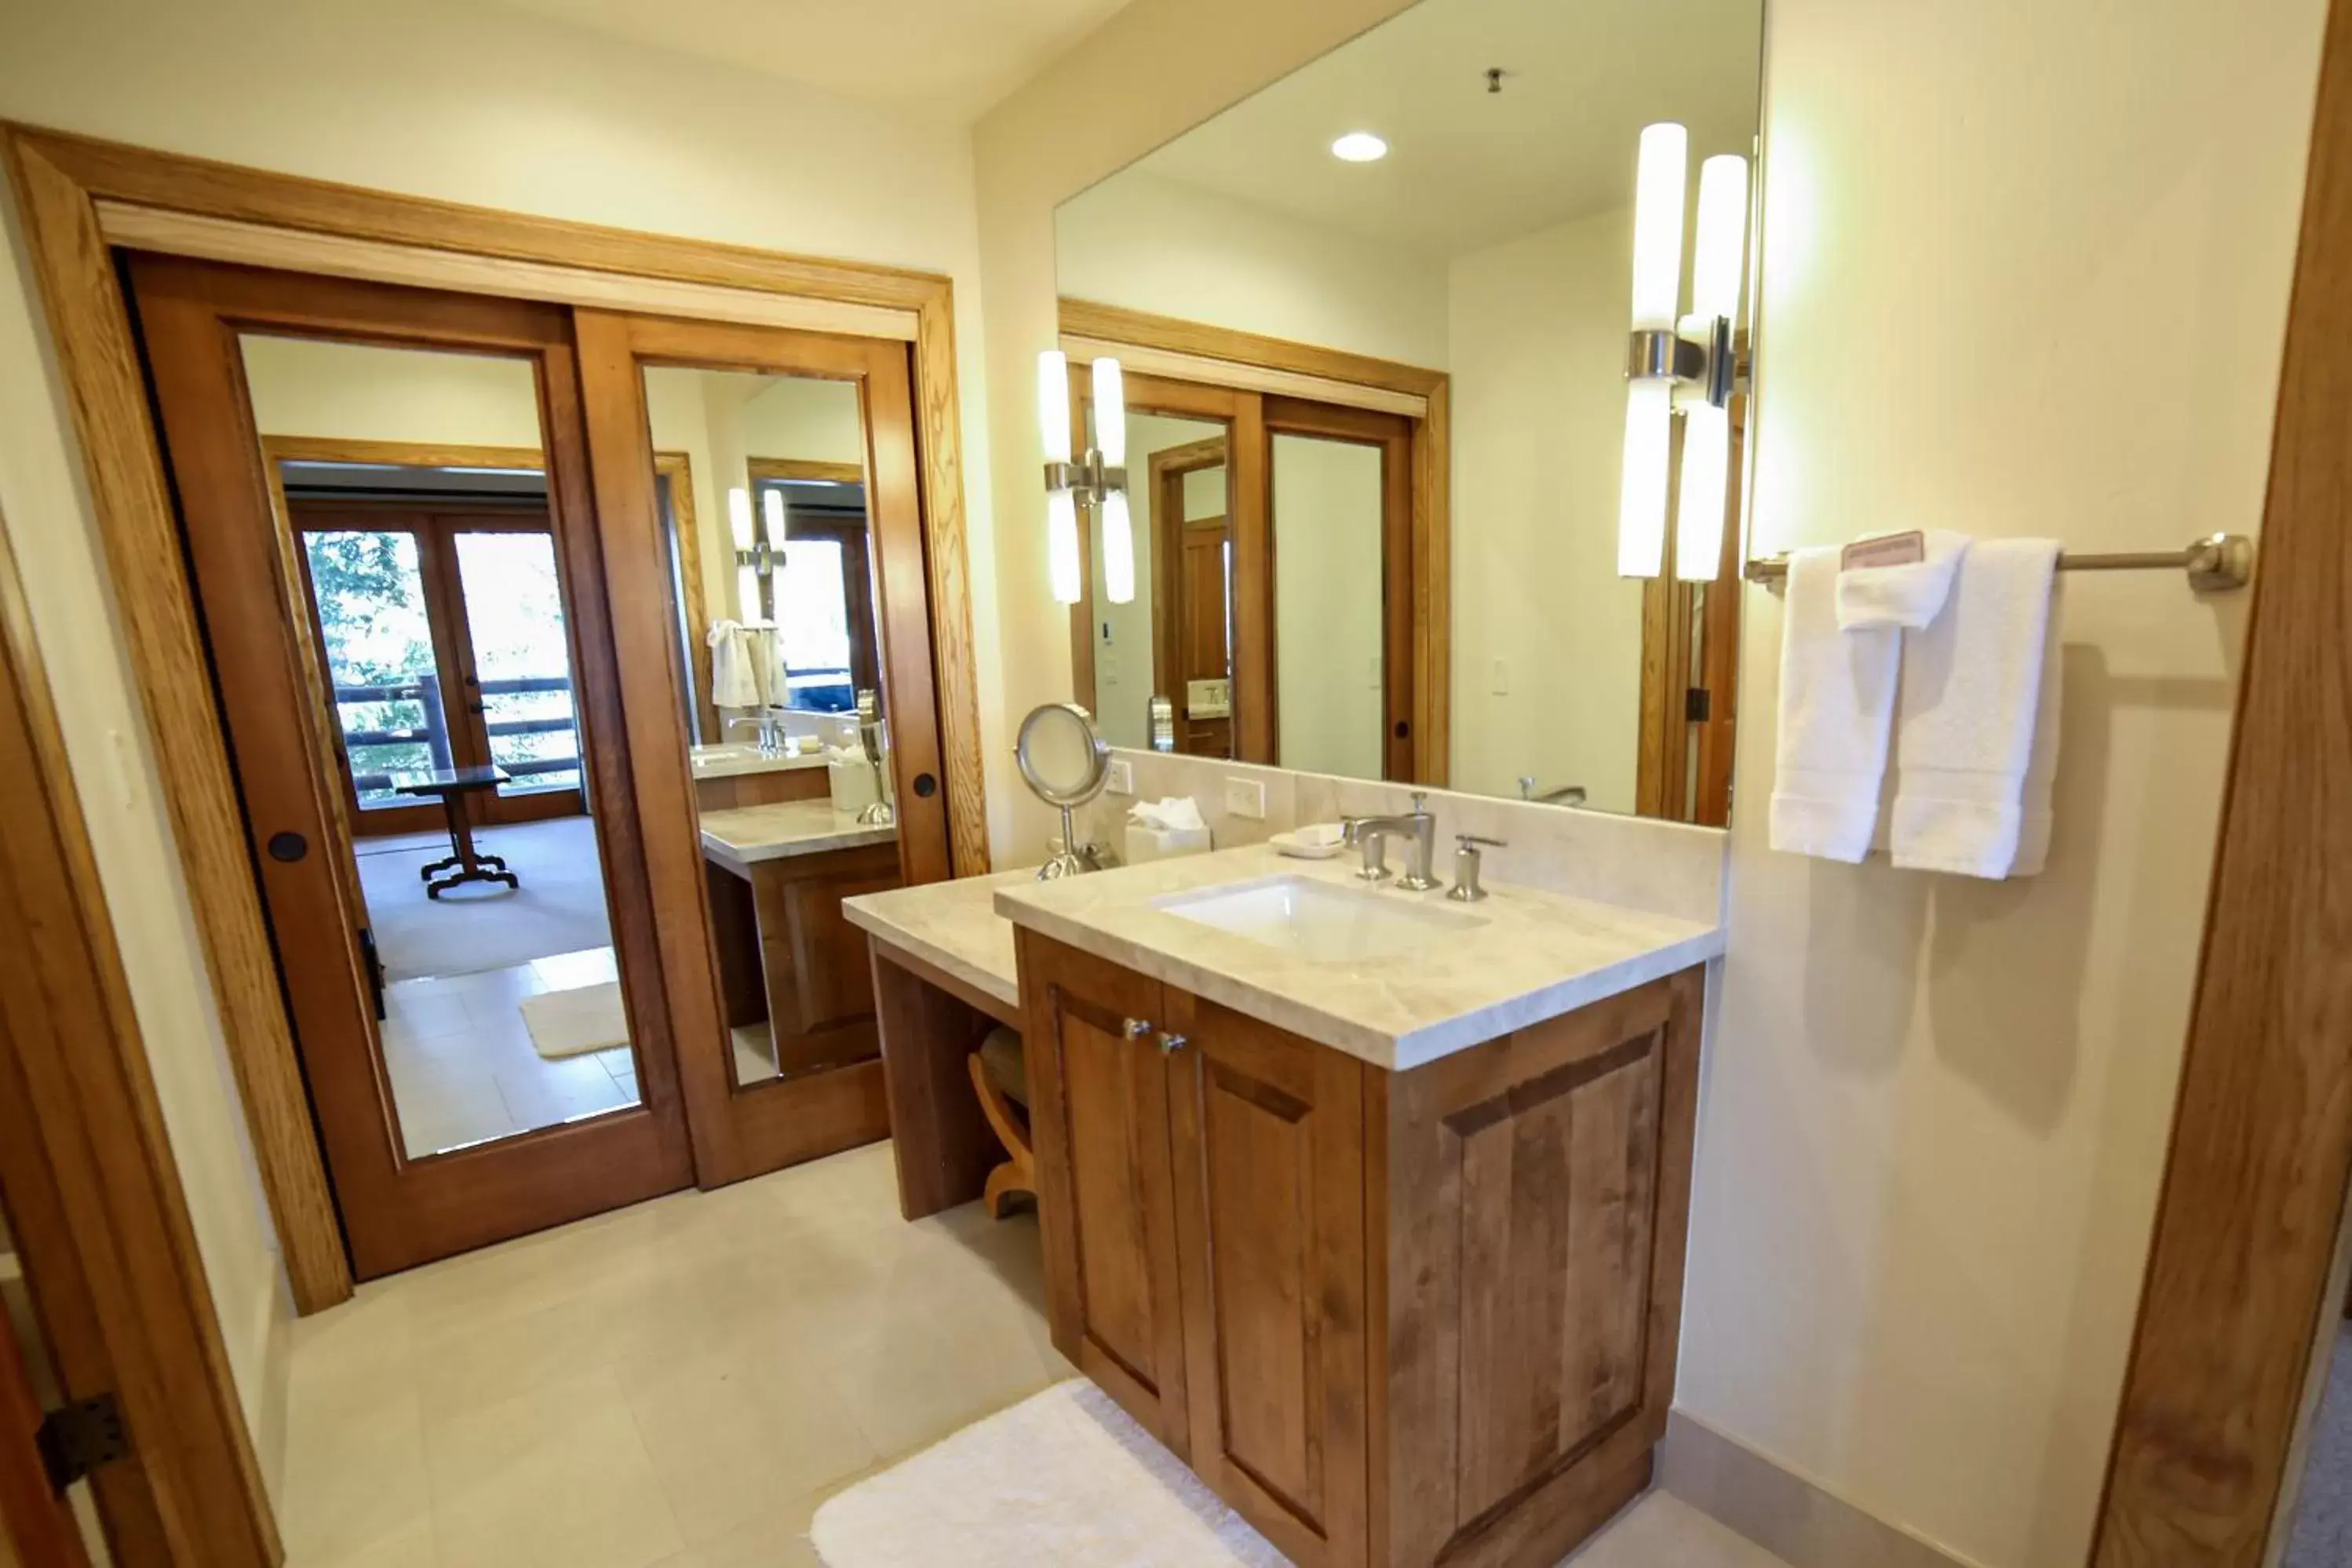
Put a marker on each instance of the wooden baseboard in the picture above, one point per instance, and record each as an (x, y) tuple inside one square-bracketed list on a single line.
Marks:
[(1780, 1510)]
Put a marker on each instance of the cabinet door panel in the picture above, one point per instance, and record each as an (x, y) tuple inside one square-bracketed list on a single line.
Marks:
[(1105, 1194), (1268, 1136), (1538, 1201)]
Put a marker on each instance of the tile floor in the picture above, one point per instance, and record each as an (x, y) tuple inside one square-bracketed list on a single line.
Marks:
[(463, 1067), (678, 1385)]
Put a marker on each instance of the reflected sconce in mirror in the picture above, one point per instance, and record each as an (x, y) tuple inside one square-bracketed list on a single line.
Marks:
[(1680, 364), (757, 555), (1096, 478)]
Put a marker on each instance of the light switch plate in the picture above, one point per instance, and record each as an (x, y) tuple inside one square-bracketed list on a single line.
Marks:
[(1245, 797), (1502, 677), (1120, 778)]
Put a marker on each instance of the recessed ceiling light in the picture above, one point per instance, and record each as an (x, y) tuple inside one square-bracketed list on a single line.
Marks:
[(1359, 147)]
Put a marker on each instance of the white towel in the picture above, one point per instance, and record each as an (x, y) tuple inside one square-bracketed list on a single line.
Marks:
[(1971, 687), (1837, 699), (1909, 595), (733, 681), (2042, 773)]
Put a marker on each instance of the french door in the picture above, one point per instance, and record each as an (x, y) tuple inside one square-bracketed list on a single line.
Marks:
[(491, 677), (419, 1170)]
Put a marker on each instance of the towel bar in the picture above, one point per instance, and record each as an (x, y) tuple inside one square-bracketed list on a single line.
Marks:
[(2215, 564)]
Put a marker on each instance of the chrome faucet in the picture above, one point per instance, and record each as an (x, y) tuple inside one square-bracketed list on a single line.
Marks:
[(769, 745), (1565, 794), (1371, 834)]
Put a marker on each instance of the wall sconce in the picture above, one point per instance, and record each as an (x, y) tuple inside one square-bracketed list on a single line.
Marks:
[(756, 557), (1099, 478), (1680, 364)]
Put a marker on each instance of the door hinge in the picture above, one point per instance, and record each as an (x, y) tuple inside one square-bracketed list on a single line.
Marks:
[(77, 1438), (1696, 705)]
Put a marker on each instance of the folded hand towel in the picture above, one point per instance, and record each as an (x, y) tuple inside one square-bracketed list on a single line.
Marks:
[(2042, 772), (1837, 699), (733, 682), (1971, 687), (1908, 596)]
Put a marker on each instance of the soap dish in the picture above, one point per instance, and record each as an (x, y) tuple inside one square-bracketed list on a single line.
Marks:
[(1316, 841)]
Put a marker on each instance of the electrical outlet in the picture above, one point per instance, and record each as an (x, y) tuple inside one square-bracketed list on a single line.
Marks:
[(1245, 797), (1502, 677), (1120, 779)]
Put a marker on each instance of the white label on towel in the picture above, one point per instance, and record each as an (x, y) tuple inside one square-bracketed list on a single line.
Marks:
[(1887, 550)]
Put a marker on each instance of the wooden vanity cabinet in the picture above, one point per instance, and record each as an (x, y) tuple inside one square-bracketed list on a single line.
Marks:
[(1392, 1318)]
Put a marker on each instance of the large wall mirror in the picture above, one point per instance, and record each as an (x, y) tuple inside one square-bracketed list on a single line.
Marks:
[(1374, 324)]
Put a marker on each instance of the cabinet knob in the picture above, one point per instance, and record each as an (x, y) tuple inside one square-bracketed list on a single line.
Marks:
[(1170, 1044), (1137, 1028)]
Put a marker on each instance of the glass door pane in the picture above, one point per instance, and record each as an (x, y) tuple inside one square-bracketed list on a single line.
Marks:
[(521, 672), (1328, 602), (794, 797), (376, 634)]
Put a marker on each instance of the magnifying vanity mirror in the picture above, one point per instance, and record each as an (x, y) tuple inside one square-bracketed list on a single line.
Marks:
[(1386, 465), (1065, 763)]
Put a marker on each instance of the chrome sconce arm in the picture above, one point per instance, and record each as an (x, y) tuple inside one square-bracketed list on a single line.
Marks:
[(1090, 480), (1710, 368)]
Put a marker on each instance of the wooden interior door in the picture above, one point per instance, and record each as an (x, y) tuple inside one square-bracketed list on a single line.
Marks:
[(1267, 1132), (744, 1128), (1200, 614), (398, 1210), (1106, 1197), (36, 1529)]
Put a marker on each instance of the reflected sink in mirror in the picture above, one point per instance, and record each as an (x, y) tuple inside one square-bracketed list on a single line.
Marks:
[(1317, 921), (713, 756)]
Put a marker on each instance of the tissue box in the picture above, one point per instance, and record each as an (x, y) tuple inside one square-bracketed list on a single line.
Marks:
[(851, 782), (1160, 843)]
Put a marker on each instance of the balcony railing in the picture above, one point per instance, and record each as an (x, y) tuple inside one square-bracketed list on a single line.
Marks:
[(433, 733)]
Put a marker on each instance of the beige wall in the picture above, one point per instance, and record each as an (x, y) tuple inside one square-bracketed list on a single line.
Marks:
[(1936, 1110), (1068, 127), (1537, 329), (1328, 672), (1174, 250), (468, 103)]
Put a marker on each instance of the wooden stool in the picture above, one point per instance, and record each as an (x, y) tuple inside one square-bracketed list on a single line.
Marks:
[(999, 1075)]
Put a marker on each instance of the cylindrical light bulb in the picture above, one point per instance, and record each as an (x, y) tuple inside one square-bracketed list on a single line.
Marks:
[(739, 516), (771, 504), (747, 594), (1118, 550), (1110, 412), (1658, 224), (1642, 492), (1721, 242), (1062, 544), (1054, 404), (1698, 509)]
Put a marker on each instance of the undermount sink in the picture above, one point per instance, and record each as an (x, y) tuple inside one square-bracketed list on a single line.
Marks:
[(731, 751), (1317, 921)]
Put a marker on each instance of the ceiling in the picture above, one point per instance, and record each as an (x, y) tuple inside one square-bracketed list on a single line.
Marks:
[(1467, 168), (941, 60)]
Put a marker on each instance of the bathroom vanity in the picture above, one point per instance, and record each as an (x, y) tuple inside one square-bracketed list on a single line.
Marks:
[(1369, 1205)]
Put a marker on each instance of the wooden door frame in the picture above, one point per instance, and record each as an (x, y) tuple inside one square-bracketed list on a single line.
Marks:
[(1171, 349), (2238, 1283), (79, 197), (93, 1196), (399, 1210)]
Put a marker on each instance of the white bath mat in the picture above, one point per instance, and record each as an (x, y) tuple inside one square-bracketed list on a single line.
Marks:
[(573, 1023), (1063, 1477)]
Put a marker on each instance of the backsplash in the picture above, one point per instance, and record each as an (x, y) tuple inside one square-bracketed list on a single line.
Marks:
[(1669, 868)]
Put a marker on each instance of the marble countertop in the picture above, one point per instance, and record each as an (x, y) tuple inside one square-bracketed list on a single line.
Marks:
[(953, 926), (732, 760), (1515, 959), (743, 835)]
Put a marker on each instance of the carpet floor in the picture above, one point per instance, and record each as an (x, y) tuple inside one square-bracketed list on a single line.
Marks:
[(560, 908), (2322, 1513)]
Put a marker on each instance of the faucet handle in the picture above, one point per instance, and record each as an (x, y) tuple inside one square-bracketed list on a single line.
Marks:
[(1421, 802), (1468, 839), (1465, 889)]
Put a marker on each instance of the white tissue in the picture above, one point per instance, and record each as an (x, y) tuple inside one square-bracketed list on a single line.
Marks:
[(1176, 814)]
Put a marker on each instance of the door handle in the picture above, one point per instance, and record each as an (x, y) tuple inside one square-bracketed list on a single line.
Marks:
[(473, 708)]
